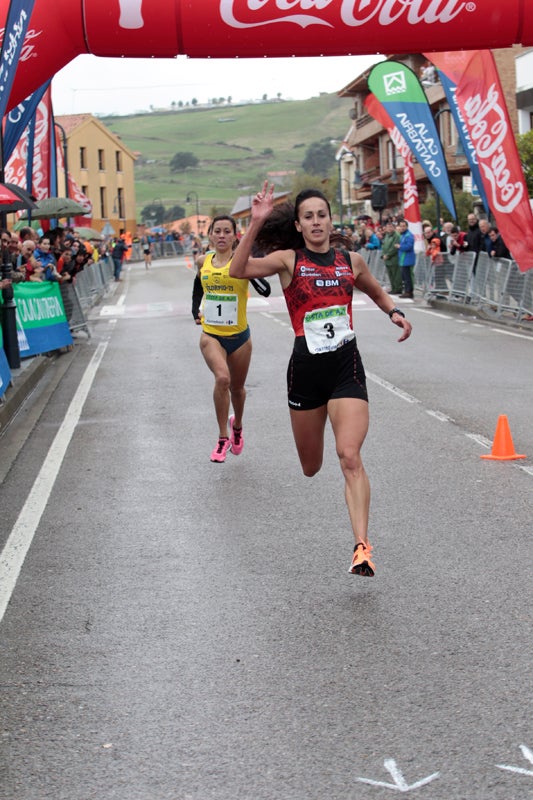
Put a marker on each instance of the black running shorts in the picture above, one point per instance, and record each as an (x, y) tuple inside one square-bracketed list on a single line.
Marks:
[(313, 380)]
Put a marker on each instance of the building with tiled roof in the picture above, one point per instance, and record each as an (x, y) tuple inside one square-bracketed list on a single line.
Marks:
[(102, 166)]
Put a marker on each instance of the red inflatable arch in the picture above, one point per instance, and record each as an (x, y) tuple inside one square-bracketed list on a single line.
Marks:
[(60, 30)]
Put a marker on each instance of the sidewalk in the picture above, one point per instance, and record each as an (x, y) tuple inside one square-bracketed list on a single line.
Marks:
[(23, 382)]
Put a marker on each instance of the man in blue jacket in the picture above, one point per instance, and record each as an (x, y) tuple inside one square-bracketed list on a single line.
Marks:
[(406, 258)]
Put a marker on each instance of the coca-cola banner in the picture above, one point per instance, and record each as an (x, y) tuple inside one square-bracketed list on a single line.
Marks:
[(411, 206), (62, 29), (401, 94), (481, 101)]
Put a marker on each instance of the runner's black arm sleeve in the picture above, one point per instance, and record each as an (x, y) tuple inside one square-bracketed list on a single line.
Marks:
[(261, 286), (197, 293)]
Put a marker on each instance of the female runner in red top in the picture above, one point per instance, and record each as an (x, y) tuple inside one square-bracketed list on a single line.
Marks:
[(325, 376)]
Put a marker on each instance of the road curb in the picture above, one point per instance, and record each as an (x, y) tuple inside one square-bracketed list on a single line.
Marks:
[(23, 382)]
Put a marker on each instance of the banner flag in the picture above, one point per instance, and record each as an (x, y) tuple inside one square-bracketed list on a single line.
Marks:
[(401, 93), (481, 101), (31, 164), (41, 321), (19, 118), (14, 33), (450, 90), (411, 207), (5, 372)]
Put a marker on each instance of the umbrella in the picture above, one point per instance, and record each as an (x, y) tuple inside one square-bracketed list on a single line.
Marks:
[(363, 217), (24, 223), (13, 198), (56, 208), (88, 233)]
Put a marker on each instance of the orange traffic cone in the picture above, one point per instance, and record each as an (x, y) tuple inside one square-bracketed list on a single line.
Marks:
[(502, 446), (188, 262)]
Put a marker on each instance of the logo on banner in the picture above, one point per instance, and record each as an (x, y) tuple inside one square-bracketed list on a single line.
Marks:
[(131, 14), (353, 13), (394, 83), (487, 119)]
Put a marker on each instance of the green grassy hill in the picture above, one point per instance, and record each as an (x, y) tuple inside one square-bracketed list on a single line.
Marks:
[(237, 146)]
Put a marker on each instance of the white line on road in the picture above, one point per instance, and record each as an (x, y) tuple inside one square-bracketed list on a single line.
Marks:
[(20, 539), (391, 388), (510, 333)]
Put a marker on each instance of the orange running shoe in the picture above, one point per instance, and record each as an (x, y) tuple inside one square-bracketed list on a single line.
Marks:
[(361, 563)]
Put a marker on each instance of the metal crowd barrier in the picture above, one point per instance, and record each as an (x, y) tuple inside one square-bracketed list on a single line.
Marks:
[(495, 286), (159, 250)]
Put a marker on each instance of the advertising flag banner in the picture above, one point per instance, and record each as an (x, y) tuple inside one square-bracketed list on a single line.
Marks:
[(19, 118), (5, 372), (411, 207), (32, 162), (14, 33), (41, 321), (450, 90), (401, 94), (481, 101)]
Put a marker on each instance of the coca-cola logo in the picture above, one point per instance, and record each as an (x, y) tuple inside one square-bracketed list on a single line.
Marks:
[(352, 13), (28, 49), (488, 124)]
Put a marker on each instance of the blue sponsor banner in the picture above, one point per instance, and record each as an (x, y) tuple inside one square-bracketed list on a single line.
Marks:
[(41, 322), (450, 89), (5, 372), (401, 94), (18, 19)]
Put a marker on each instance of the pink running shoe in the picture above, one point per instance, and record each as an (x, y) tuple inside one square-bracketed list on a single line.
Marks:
[(221, 450), (236, 438)]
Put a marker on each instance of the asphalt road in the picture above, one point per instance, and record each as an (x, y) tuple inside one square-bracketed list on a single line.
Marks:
[(182, 630)]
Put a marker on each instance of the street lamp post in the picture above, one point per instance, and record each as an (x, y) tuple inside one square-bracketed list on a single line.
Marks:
[(65, 153), (188, 200)]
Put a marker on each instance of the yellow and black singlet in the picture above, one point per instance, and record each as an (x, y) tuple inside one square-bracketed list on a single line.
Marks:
[(225, 299)]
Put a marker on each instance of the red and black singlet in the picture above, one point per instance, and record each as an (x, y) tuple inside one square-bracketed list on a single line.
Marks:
[(320, 281)]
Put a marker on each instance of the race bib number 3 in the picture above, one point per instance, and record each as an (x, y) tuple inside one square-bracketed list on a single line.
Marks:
[(326, 329), (221, 309)]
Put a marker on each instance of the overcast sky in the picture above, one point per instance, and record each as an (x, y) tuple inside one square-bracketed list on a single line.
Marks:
[(121, 86)]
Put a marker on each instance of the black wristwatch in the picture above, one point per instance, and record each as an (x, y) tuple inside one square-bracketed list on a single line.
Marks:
[(396, 311)]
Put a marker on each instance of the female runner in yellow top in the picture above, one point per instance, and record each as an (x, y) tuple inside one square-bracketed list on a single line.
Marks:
[(225, 340)]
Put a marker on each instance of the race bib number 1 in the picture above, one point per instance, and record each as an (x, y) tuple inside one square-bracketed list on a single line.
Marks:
[(221, 309), (326, 329)]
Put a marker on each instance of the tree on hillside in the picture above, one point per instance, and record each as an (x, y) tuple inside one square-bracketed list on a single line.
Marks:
[(319, 158), (153, 214), (181, 161), (306, 180), (175, 212), (464, 204)]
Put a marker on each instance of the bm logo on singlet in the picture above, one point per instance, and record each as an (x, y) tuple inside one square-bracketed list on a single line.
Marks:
[(320, 282)]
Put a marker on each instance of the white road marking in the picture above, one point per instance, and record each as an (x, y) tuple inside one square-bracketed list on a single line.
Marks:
[(528, 755), (400, 784), (16, 548), (511, 333), (439, 415), (391, 388)]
